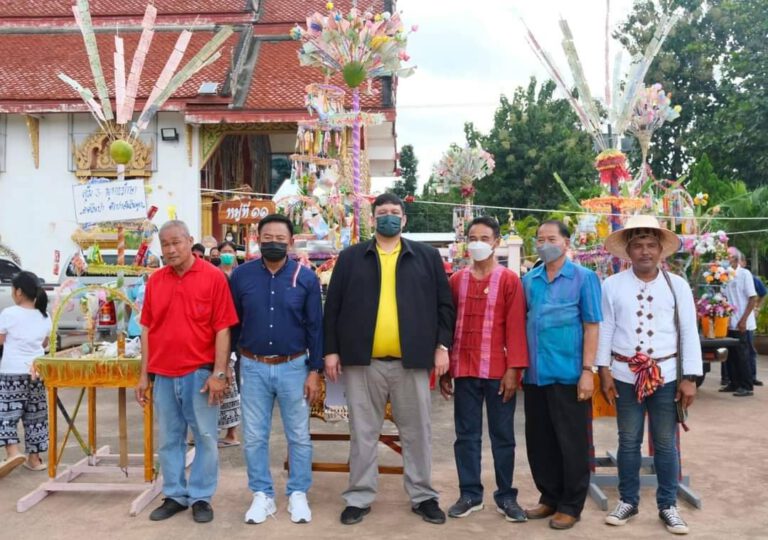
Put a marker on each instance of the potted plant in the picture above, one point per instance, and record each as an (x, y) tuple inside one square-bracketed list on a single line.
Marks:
[(714, 310)]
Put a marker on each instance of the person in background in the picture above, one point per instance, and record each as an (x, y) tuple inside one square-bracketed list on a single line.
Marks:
[(229, 413), (198, 250), (214, 256), (24, 330), (228, 257), (741, 294), (488, 355), (761, 292)]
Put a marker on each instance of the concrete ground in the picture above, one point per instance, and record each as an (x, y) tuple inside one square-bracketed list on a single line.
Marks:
[(725, 453)]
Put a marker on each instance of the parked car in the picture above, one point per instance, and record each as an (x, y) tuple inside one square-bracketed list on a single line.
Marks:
[(8, 270)]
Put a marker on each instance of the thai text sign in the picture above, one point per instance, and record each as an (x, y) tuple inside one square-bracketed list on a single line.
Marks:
[(97, 202), (245, 211)]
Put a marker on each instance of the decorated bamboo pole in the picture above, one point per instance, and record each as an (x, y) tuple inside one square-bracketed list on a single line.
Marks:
[(120, 316), (356, 128)]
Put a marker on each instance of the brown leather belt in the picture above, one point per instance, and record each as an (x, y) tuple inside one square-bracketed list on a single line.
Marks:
[(271, 360)]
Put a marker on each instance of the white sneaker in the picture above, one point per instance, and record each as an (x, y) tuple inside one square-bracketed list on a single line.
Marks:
[(261, 507), (299, 507)]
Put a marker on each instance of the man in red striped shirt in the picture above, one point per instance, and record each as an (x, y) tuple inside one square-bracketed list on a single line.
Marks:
[(487, 358)]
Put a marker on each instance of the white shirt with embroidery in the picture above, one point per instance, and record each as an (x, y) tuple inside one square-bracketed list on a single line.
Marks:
[(638, 316)]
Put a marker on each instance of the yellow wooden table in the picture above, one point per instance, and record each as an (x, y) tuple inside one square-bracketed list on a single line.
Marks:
[(66, 370)]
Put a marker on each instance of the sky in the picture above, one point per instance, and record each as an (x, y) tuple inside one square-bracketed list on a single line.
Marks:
[(470, 53)]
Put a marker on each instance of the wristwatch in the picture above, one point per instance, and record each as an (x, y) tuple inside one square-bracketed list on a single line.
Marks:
[(319, 371), (220, 375), (690, 378)]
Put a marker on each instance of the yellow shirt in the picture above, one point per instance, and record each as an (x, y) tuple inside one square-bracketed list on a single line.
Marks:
[(386, 338)]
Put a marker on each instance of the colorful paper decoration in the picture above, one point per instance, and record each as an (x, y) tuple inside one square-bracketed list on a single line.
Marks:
[(360, 46)]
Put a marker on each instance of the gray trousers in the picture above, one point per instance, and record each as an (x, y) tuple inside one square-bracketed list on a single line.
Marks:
[(367, 389)]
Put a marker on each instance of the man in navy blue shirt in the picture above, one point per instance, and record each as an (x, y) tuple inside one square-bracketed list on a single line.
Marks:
[(281, 345)]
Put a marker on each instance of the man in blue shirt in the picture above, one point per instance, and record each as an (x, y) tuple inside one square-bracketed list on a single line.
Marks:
[(281, 345), (562, 326)]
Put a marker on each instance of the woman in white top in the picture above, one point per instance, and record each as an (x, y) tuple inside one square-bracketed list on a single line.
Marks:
[(24, 330)]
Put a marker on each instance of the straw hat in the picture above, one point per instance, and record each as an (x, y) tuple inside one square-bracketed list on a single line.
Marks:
[(616, 243)]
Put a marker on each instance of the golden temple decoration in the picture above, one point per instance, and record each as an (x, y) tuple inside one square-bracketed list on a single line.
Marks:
[(92, 158)]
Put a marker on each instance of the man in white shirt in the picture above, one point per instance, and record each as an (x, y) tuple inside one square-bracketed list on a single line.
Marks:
[(741, 294), (637, 357)]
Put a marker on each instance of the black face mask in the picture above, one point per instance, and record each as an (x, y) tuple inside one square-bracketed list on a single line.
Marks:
[(215, 261), (274, 251)]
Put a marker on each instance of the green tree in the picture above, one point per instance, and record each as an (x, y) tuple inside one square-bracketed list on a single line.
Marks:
[(426, 217), (408, 181), (533, 137), (715, 63), (704, 180), (685, 66), (736, 138), (753, 204)]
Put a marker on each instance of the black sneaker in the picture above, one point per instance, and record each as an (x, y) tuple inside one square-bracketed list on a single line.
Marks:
[(757, 382), (725, 382), (728, 388), (169, 508), (743, 392), (621, 514), (512, 511), (673, 521), (463, 507), (430, 511), (353, 514), (202, 512)]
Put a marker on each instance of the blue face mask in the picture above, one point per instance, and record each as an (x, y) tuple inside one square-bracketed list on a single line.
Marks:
[(388, 225)]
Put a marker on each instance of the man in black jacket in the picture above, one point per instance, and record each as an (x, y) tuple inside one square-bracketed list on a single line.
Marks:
[(389, 320)]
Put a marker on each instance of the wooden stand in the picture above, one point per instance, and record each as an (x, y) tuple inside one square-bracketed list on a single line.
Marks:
[(67, 370), (648, 476), (97, 461), (391, 441)]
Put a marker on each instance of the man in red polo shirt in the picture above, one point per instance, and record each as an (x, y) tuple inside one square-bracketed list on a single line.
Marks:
[(488, 355), (185, 344)]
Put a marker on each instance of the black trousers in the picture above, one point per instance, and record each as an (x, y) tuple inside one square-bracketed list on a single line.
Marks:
[(739, 370), (556, 432)]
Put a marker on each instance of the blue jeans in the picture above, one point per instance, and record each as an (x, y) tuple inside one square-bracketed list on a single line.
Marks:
[(662, 416), (469, 394), (261, 385), (180, 405)]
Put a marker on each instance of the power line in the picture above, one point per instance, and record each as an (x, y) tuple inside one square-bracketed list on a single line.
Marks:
[(535, 210)]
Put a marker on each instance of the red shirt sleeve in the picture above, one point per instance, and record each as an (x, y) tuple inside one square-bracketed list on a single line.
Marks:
[(224, 314), (516, 342), (146, 307)]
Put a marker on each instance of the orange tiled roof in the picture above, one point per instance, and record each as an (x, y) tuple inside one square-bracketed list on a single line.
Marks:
[(106, 8), (30, 71), (279, 81), (282, 11)]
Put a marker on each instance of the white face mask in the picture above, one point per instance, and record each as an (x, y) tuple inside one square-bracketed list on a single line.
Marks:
[(479, 251)]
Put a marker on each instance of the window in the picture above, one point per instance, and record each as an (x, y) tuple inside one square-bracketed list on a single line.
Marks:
[(7, 271), (281, 170)]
